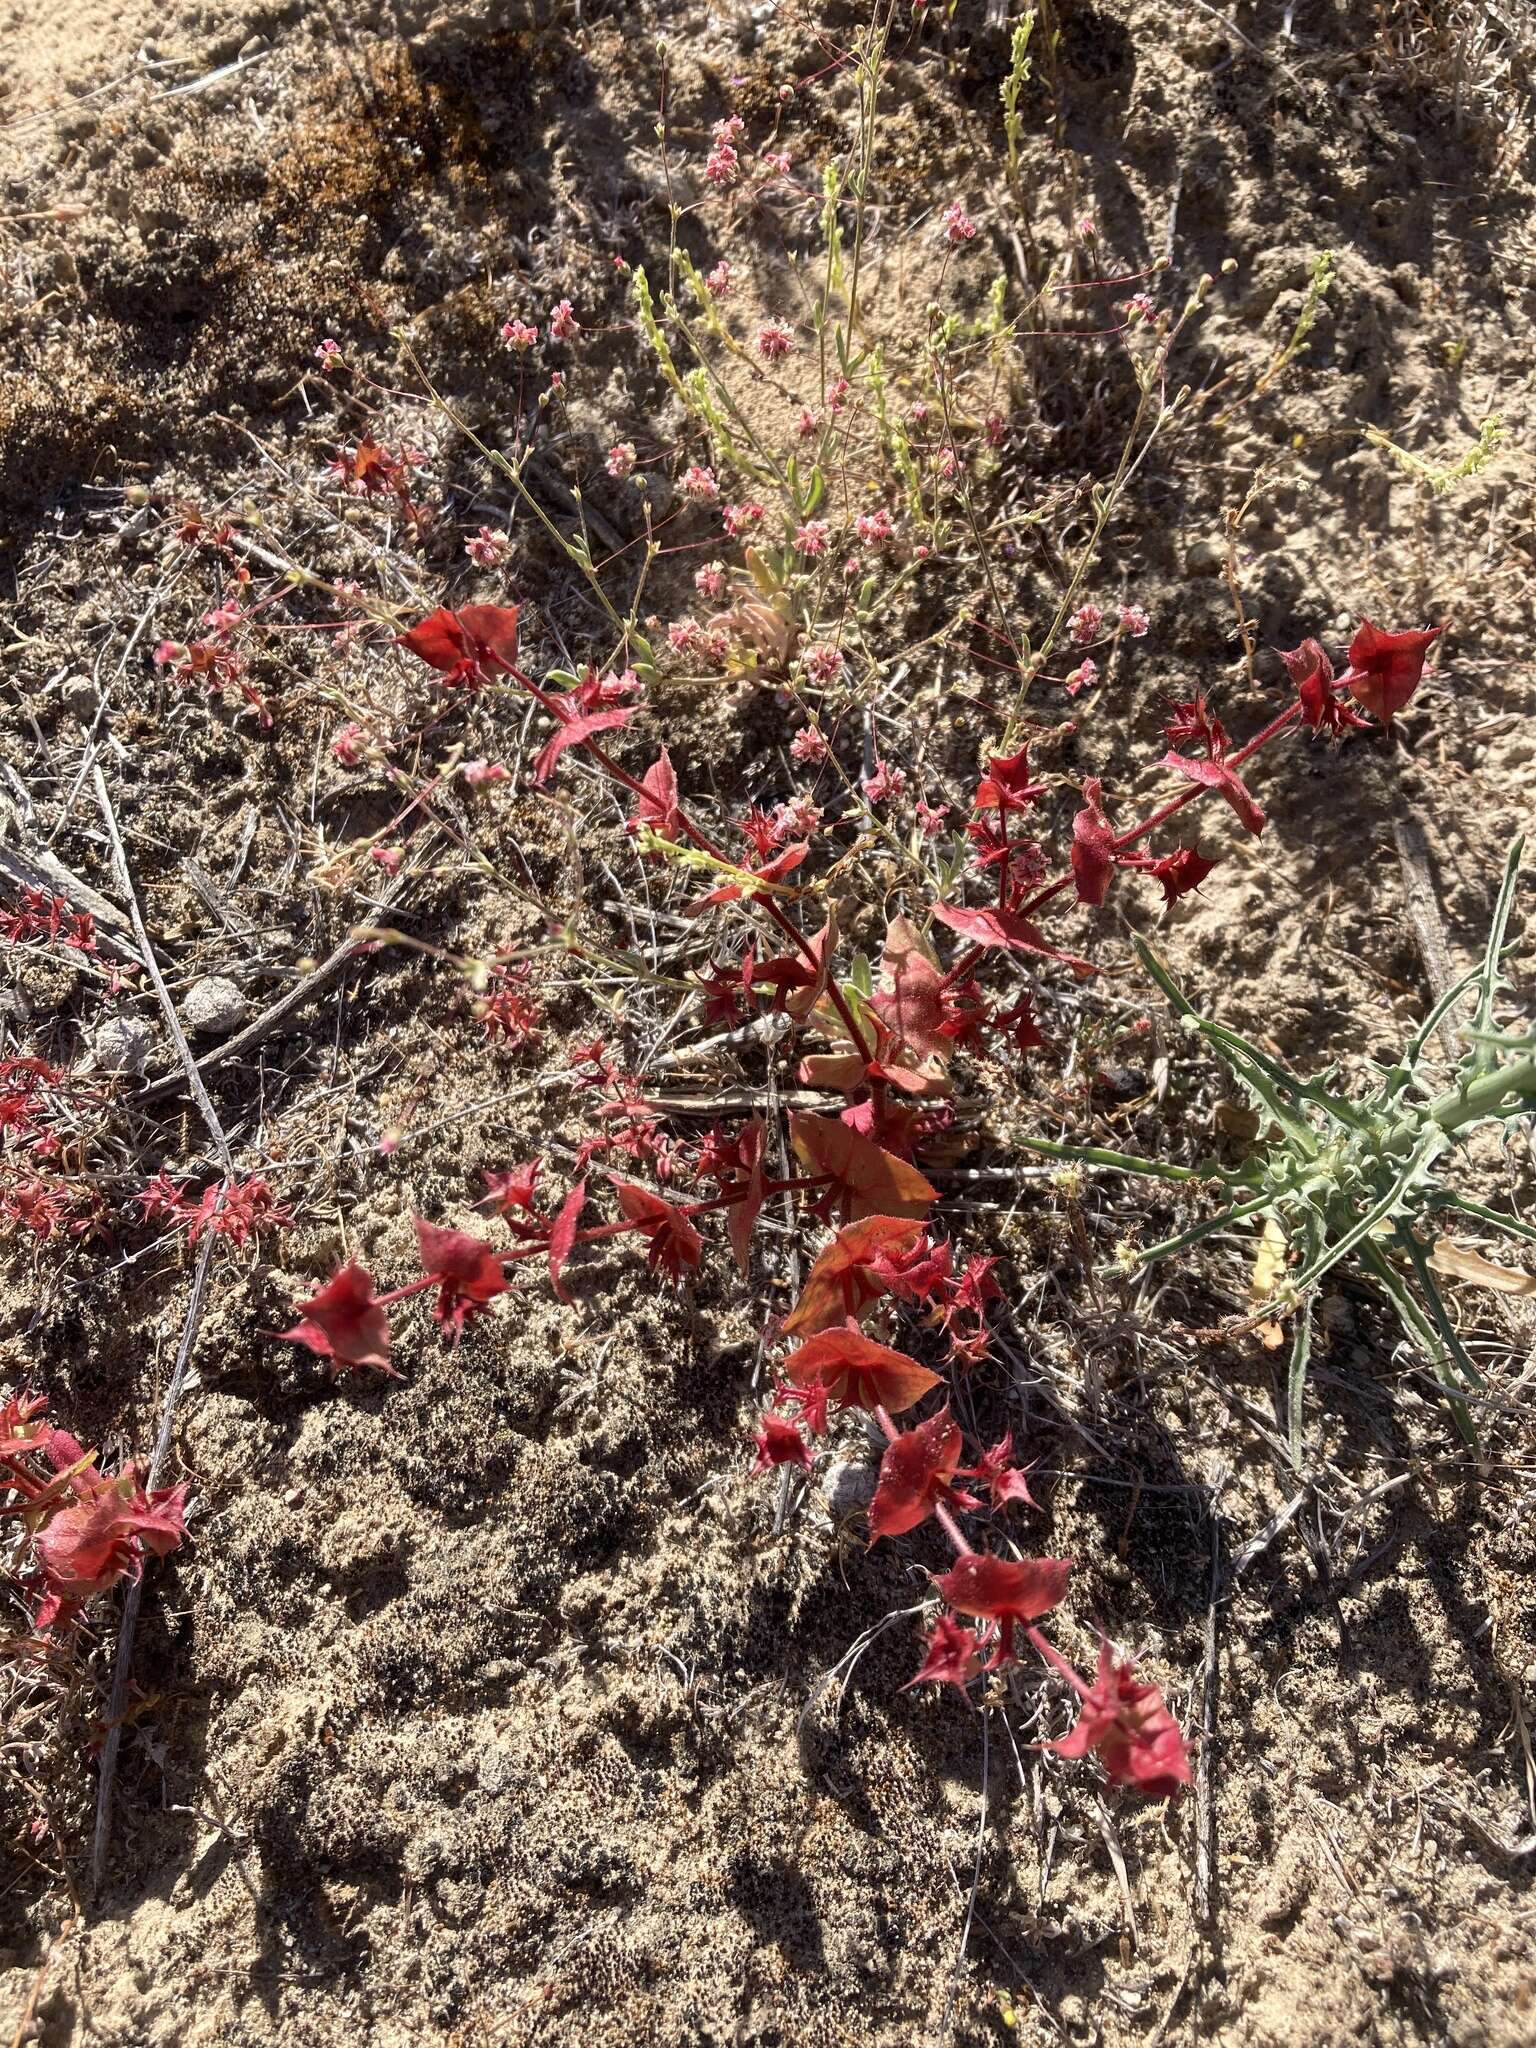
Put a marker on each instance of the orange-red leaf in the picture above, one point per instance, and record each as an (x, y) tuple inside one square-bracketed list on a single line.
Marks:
[(868, 1180), (858, 1373), (842, 1282)]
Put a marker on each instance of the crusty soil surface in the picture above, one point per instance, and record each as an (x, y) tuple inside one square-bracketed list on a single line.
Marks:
[(489, 1705)]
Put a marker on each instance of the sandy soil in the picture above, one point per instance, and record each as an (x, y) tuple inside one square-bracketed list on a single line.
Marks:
[(489, 1706)]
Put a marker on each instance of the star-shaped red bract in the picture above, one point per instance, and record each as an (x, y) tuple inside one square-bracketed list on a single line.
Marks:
[(1127, 1724)]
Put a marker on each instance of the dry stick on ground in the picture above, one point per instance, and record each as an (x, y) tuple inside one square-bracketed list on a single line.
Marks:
[(123, 1661)]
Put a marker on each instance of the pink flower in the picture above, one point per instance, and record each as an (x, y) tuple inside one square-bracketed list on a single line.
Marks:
[(885, 782), (563, 324), (947, 462), (717, 282), (1140, 307), (812, 538), (621, 458), (482, 774), (873, 528), (1086, 229), (807, 425), (328, 355), (1083, 677), (486, 549), (710, 580), (1133, 620), (958, 225), (723, 166), (777, 161), (996, 428), (799, 818), (347, 746), (808, 744), (728, 132), (775, 339), (681, 635), (739, 519), (699, 485), (823, 662), (931, 817), (517, 334), (388, 858), (1085, 624)]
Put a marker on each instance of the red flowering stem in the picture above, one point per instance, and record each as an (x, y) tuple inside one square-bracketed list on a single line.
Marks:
[(705, 844), (1121, 840)]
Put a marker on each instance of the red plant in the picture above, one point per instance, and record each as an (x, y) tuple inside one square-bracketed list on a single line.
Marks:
[(87, 1529), (1128, 1726), (345, 1324)]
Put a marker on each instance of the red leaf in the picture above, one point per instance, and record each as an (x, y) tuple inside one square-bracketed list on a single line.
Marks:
[(1000, 1590), (657, 806), (1312, 673), (843, 1281), (1005, 928), (867, 1180), (1000, 1476), (915, 1474), (779, 1443), (770, 872), (1006, 785), (741, 1217), (858, 1373), (466, 1269), (1226, 782), (1136, 1738), (911, 998), (1180, 871), (344, 1323), (1385, 668), (562, 1235), (468, 646), (954, 1655), (674, 1243), (1093, 846), (575, 727)]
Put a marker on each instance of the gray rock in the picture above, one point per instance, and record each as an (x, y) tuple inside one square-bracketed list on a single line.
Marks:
[(121, 1045), (213, 1007), (848, 1487), (1203, 558)]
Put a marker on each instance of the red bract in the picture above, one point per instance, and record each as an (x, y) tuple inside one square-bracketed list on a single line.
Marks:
[(576, 723), (673, 1241), (344, 1323), (866, 1181), (1000, 1476), (1385, 668), (999, 1590), (1180, 871), (1323, 709), (1007, 929), (513, 1190), (562, 1236), (916, 1475), (1194, 720), (657, 807), (466, 1269), (88, 1547), (858, 1373), (1225, 781), (846, 1277), (743, 1170), (911, 1000), (768, 876), (470, 646), (1131, 1729), (1006, 785), (779, 1443), (1093, 846), (954, 1655)]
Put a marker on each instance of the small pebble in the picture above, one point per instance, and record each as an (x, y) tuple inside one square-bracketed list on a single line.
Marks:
[(214, 1006), (121, 1045)]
